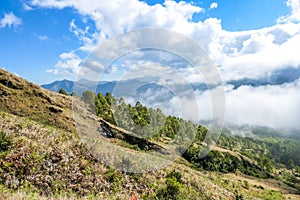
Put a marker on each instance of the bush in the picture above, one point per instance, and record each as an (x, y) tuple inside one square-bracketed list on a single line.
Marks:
[(176, 175), (62, 91), (173, 188), (5, 141)]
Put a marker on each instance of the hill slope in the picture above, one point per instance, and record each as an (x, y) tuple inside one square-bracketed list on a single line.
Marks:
[(42, 156), (22, 98)]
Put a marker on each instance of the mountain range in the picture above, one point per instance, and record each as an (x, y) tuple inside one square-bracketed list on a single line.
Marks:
[(277, 77)]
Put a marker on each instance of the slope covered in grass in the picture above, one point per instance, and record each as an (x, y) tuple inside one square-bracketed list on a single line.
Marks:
[(43, 156)]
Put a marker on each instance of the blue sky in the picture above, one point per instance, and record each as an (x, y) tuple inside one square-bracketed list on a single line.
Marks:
[(34, 46), (249, 40)]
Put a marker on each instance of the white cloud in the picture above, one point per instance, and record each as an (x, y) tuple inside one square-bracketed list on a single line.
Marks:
[(10, 20), (273, 106), (94, 66), (113, 17), (240, 53), (27, 7), (294, 5), (144, 69), (68, 55), (43, 37), (68, 65), (52, 3), (259, 55), (213, 5)]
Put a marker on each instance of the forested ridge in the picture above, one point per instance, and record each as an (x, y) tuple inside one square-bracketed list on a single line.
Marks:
[(268, 152)]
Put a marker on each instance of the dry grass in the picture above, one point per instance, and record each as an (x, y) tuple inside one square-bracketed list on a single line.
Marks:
[(259, 186), (26, 99)]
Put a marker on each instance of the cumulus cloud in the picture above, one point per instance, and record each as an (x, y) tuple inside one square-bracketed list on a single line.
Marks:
[(93, 65), (259, 55), (69, 64), (68, 55), (237, 51), (213, 5), (111, 18), (10, 20), (294, 5), (232, 50)]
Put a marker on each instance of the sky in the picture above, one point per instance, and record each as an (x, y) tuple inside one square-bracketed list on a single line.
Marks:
[(249, 40), (35, 33)]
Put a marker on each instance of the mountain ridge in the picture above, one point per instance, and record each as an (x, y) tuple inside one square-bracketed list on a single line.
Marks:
[(278, 77)]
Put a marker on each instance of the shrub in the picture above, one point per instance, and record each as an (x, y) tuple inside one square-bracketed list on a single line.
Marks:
[(5, 141), (239, 197), (173, 188), (176, 175), (62, 91)]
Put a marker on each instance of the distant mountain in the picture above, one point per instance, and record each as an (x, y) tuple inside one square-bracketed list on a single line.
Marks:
[(119, 88), (278, 77), (125, 87), (80, 86), (57, 85)]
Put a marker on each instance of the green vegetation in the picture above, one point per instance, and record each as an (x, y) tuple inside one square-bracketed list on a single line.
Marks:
[(173, 188), (62, 91), (44, 161), (215, 161), (153, 124), (102, 107), (267, 151), (254, 149), (5, 141), (284, 150)]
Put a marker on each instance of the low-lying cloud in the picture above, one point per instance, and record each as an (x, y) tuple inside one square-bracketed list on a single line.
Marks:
[(275, 106)]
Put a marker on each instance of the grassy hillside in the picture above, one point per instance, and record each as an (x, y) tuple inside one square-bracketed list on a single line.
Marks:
[(43, 161), (43, 156), (22, 98)]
